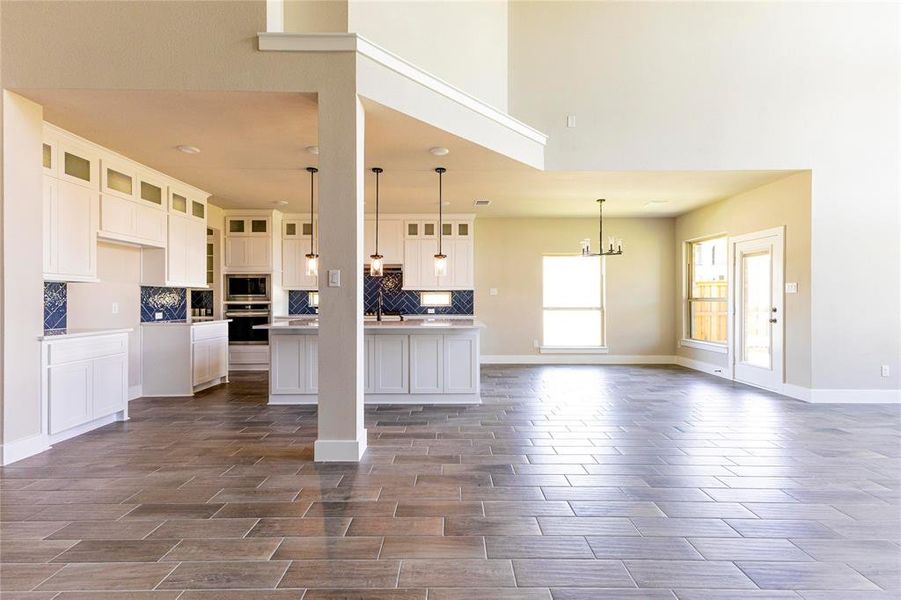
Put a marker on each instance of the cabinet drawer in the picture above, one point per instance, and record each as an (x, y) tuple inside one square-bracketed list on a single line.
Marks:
[(65, 351), (209, 332)]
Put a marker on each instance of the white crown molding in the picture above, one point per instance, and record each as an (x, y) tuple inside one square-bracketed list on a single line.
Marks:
[(353, 42)]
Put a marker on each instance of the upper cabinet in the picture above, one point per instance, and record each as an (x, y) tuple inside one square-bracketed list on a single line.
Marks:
[(249, 241), (421, 245), (391, 240), (70, 207), (92, 192), (296, 236)]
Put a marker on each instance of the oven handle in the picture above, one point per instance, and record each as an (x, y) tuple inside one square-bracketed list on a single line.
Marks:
[(247, 314)]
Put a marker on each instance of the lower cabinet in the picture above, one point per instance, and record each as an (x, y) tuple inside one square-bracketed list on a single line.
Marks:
[(179, 359), (86, 379), (295, 364), (390, 364), (426, 364)]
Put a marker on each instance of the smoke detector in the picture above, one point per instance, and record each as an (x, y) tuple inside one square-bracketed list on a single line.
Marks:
[(439, 151), (312, 149)]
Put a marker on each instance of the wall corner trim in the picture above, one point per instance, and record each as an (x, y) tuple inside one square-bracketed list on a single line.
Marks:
[(21, 449), (134, 392)]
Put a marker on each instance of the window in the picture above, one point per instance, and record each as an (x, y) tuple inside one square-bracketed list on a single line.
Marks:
[(573, 302), (435, 299), (707, 296)]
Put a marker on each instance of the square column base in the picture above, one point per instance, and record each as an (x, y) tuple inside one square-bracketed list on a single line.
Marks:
[(340, 450)]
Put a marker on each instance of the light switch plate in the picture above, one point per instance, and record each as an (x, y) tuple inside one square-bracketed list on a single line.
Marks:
[(570, 121), (791, 288), (115, 308), (334, 278), (158, 316)]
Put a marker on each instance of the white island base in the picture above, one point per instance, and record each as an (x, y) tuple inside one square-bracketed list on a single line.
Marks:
[(407, 362)]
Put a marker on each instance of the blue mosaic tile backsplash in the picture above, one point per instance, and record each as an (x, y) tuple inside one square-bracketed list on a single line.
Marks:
[(299, 303), (55, 305), (394, 298), (172, 302)]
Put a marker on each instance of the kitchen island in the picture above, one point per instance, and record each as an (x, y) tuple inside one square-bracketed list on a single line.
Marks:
[(420, 361)]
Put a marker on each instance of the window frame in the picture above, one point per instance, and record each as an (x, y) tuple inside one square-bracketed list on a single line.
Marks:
[(544, 348), (687, 299)]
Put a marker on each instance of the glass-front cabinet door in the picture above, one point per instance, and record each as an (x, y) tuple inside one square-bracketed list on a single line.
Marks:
[(77, 163), (118, 178), (151, 190)]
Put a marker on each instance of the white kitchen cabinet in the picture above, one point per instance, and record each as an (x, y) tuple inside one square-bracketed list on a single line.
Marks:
[(85, 383), (118, 178), (421, 246), (461, 360), (296, 234), (390, 364), (132, 222), (295, 365), (249, 243), (182, 358), (391, 240), (369, 364), (70, 216), (426, 364), (77, 162)]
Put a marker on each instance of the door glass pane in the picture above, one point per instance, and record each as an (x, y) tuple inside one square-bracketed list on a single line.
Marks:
[(48, 156), (179, 203), (757, 307), (290, 228), (198, 209), (76, 166), (117, 181), (258, 226), (236, 226), (151, 193), (462, 229), (708, 321)]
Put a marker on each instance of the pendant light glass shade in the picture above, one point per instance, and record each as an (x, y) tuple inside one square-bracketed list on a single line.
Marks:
[(440, 258), (376, 263), (312, 257)]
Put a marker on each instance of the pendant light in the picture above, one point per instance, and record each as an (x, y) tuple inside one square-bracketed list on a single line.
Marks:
[(312, 257), (614, 246), (376, 265), (440, 258)]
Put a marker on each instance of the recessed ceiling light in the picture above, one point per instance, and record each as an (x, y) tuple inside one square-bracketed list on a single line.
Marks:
[(481, 203), (280, 202), (312, 149), (656, 203), (439, 151), (188, 149)]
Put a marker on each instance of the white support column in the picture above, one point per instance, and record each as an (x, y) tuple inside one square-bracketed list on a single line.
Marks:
[(342, 436)]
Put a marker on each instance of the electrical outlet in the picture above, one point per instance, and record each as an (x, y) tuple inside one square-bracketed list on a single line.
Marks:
[(886, 371), (535, 344), (430, 311), (791, 288), (570, 121), (492, 291), (158, 316), (115, 308)]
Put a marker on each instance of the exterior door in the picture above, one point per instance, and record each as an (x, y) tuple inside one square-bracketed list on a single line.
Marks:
[(758, 309)]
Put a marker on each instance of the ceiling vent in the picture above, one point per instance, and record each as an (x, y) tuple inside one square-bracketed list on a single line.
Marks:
[(481, 203)]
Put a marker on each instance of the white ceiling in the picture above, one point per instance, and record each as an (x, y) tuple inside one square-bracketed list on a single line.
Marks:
[(253, 156)]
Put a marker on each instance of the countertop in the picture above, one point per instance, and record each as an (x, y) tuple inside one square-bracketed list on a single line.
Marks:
[(61, 334), (311, 325), (182, 323)]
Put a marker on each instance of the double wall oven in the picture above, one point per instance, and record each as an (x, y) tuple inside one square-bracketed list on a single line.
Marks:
[(247, 303)]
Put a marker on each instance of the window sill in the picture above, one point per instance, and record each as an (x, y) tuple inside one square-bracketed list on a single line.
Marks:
[(708, 346), (572, 349)]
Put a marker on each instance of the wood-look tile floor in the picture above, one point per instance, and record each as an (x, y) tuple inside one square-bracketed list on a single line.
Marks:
[(569, 483)]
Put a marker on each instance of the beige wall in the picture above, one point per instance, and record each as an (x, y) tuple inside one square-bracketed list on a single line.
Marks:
[(315, 16), (23, 296), (743, 85), (785, 202), (463, 42), (640, 303), (91, 304)]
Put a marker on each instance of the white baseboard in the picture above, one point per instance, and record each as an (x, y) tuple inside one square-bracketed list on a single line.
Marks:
[(704, 367), (134, 392), (798, 392), (821, 396), (339, 450), (576, 359), (19, 449), (86, 427)]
